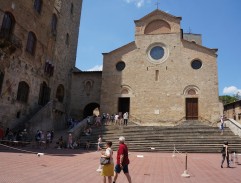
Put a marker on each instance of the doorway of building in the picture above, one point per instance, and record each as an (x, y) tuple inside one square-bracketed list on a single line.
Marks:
[(124, 105), (191, 108), (44, 94), (88, 110)]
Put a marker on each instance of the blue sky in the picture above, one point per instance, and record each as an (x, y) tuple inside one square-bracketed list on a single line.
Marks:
[(108, 24)]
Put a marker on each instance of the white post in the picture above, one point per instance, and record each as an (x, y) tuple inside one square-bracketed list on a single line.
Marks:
[(173, 153)]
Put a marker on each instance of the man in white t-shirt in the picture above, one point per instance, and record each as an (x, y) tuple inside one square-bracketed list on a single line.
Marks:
[(125, 116), (116, 119)]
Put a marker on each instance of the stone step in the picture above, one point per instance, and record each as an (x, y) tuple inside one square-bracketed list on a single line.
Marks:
[(187, 137)]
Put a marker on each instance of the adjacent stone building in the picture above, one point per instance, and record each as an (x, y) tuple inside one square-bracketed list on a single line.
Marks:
[(233, 110), (164, 76), (85, 95), (38, 43)]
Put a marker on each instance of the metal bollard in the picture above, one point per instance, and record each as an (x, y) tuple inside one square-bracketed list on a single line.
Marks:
[(185, 173)]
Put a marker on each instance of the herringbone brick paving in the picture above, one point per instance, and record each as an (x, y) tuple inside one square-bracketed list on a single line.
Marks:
[(79, 166)]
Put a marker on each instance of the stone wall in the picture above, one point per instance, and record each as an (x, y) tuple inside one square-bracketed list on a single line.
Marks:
[(86, 89), (51, 48)]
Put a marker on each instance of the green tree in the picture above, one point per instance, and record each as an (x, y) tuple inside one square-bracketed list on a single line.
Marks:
[(226, 99)]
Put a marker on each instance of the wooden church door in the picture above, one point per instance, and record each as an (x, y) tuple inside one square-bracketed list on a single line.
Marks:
[(191, 108)]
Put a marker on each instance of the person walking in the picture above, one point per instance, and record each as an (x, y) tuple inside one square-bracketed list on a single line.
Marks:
[(221, 125), (99, 143), (125, 116), (122, 160), (99, 169), (225, 154), (108, 169), (70, 142)]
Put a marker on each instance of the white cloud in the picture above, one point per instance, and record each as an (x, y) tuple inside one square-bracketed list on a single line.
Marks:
[(231, 90), (96, 68), (138, 3)]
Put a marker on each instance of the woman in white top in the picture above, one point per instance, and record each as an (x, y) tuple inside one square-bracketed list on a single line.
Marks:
[(108, 169)]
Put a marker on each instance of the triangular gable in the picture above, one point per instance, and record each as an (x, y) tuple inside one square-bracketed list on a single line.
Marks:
[(158, 12)]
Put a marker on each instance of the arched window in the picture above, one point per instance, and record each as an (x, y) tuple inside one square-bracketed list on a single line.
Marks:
[(158, 27), (31, 43), (67, 39), (38, 5), (54, 24), (60, 93), (23, 91), (7, 25), (1, 81), (191, 92)]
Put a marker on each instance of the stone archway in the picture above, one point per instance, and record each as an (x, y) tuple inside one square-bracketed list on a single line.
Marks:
[(89, 108)]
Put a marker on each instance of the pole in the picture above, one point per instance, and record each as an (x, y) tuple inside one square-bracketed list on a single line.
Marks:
[(186, 163), (185, 173)]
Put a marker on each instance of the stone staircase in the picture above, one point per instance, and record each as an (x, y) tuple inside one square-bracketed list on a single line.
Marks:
[(190, 136)]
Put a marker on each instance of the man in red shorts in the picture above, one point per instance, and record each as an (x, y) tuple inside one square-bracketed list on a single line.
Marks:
[(122, 160)]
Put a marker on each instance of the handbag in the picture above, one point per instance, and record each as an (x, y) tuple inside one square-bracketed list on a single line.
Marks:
[(104, 161)]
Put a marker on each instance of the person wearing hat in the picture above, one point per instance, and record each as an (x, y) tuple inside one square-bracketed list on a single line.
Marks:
[(122, 160)]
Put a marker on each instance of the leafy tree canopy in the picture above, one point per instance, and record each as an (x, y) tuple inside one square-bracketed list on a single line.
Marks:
[(226, 99)]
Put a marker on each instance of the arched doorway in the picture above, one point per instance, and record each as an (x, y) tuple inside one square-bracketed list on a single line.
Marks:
[(23, 92), (88, 110), (191, 93), (60, 93), (44, 94)]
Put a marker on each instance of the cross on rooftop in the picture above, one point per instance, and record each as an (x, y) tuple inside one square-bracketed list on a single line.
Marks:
[(157, 5)]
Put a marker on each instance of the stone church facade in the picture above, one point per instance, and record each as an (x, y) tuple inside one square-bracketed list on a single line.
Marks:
[(164, 76), (38, 43)]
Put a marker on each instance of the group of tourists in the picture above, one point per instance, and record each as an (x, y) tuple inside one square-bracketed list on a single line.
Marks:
[(115, 119), (43, 139), (122, 161), (10, 135)]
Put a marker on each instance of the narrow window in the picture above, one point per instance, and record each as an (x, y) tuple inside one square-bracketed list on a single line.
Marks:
[(157, 75), (23, 91), (54, 24), (7, 25), (38, 5), (72, 9), (31, 43), (67, 39)]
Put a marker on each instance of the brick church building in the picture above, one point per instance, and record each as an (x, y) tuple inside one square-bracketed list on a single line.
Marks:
[(164, 76)]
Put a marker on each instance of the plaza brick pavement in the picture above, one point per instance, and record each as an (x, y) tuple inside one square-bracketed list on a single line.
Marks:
[(79, 166)]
